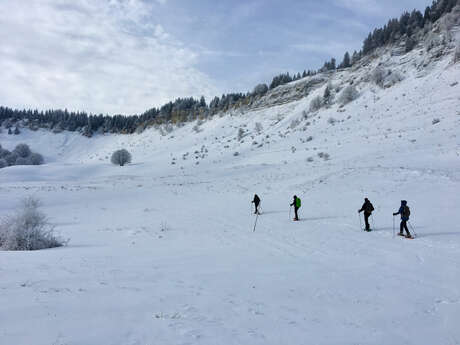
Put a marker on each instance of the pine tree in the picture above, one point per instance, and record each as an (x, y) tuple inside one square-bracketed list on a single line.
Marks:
[(346, 61)]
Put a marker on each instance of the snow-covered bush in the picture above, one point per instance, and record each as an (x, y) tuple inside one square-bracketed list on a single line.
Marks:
[(378, 76), (328, 96), (349, 94), (22, 161), (259, 128), (241, 134), (36, 159), (260, 90), (11, 158), (28, 229), (22, 150), (294, 123), (457, 53), (121, 157), (21, 155), (3, 152), (316, 103)]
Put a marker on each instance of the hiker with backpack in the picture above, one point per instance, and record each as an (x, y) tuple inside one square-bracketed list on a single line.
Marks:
[(367, 208), (296, 203), (404, 211), (256, 202)]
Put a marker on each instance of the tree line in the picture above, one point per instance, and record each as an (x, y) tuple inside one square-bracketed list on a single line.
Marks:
[(188, 109)]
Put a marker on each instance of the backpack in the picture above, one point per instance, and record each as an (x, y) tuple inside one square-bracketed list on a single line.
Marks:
[(298, 203), (406, 212), (369, 208)]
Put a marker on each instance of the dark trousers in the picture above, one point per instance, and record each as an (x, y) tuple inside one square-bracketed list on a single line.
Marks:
[(295, 212), (402, 226), (366, 220), (257, 208)]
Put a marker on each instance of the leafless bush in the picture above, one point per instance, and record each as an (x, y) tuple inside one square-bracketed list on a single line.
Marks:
[(316, 103), (349, 94), (294, 123), (331, 121), (324, 155), (28, 229), (378, 76), (258, 127), (457, 52), (241, 134)]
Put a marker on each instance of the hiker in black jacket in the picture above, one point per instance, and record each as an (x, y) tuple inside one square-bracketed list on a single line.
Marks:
[(367, 208), (256, 203)]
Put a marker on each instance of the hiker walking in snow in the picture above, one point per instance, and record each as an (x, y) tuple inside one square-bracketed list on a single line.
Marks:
[(296, 203), (404, 211), (367, 208), (256, 203)]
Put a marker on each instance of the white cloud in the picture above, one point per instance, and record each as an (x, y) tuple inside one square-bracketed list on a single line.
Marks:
[(362, 6), (101, 56)]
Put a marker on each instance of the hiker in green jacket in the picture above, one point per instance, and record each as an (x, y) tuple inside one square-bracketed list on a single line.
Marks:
[(296, 203)]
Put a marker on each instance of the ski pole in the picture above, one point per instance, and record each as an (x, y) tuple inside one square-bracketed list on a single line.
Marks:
[(413, 230), (373, 222), (255, 223), (290, 209), (394, 227), (360, 222)]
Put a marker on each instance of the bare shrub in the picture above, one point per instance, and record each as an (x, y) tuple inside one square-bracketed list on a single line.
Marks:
[(324, 155), (241, 134), (294, 123), (457, 53), (331, 121), (316, 103), (28, 229), (121, 157), (259, 128), (378, 76), (349, 94)]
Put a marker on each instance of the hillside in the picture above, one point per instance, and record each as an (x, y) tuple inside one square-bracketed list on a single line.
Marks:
[(162, 251)]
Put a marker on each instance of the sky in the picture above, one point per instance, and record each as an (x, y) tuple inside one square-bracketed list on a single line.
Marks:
[(127, 56)]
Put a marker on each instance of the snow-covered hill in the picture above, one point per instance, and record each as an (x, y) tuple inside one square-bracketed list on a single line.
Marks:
[(162, 251)]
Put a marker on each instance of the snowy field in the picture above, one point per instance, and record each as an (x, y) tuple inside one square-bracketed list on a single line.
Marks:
[(162, 251)]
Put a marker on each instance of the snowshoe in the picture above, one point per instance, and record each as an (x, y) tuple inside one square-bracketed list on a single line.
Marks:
[(409, 237), (401, 234)]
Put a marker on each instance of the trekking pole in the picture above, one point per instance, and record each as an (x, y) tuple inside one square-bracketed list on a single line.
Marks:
[(360, 222), (290, 209), (255, 223), (412, 228), (394, 227), (373, 222)]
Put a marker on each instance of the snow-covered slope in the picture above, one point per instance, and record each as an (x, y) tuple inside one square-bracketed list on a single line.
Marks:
[(162, 251)]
